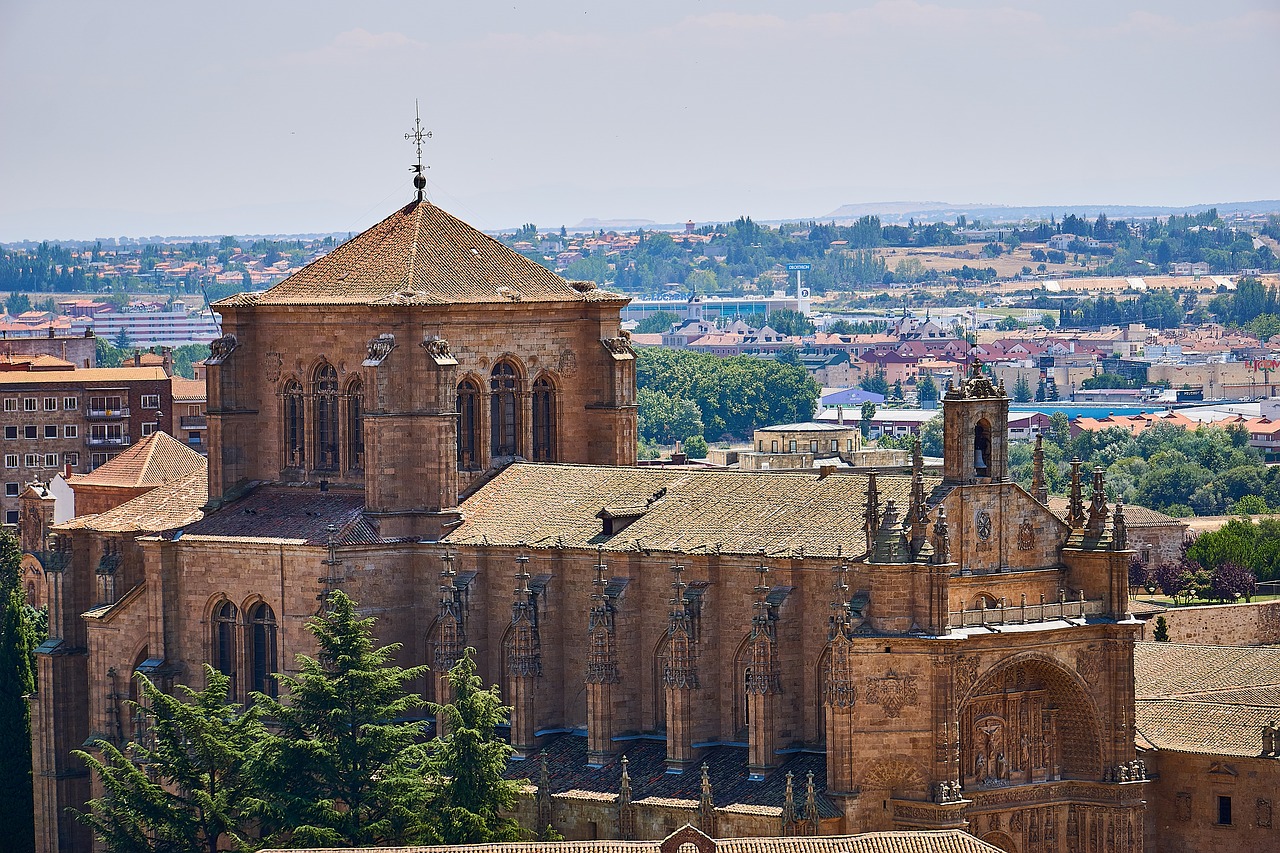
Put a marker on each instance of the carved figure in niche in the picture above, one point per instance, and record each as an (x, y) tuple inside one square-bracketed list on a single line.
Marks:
[(1000, 768), (1026, 536)]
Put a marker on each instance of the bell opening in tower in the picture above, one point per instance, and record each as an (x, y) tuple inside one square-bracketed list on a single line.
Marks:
[(982, 449)]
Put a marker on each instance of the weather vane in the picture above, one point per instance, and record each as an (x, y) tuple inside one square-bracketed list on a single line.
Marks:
[(417, 136)]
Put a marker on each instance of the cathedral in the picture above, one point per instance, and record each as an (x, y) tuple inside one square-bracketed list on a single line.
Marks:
[(446, 431)]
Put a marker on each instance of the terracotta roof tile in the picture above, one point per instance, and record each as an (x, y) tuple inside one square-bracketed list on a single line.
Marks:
[(1134, 515), (917, 841), (1180, 725), (189, 390), (167, 507), (291, 514), (158, 458), (421, 255), (1182, 671), (546, 505), (84, 374)]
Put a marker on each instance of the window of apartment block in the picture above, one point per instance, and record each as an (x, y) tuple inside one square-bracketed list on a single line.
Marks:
[(835, 445), (31, 460), (11, 460), (10, 516), (813, 445), (11, 432), (51, 404), (31, 431), (193, 438), (150, 401), (10, 490), (194, 411), (773, 446), (29, 404), (71, 431), (72, 459), (96, 459), (791, 445), (11, 404), (148, 429), (50, 430), (1224, 811), (70, 404), (105, 404), (51, 460)]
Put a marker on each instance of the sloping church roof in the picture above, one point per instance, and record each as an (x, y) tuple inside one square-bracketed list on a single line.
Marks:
[(685, 510), (421, 255), (157, 459)]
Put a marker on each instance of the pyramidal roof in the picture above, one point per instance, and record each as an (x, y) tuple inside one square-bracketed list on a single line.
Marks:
[(157, 459), (421, 255)]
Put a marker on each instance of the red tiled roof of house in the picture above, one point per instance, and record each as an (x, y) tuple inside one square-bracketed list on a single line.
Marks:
[(421, 255), (189, 390), (157, 459)]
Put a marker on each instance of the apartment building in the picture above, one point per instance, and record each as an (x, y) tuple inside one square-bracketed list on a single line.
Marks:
[(74, 420)]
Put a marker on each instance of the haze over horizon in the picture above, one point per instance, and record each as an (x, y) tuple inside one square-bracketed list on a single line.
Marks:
[(132, 119)]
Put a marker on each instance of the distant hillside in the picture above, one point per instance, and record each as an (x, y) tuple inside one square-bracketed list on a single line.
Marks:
[(936, 211)]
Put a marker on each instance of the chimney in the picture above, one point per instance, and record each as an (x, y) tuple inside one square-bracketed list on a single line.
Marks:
[(137, 358), (167, 362), (66, 471), (840, 415)]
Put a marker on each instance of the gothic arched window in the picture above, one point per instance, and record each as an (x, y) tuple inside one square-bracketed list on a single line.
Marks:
[(355, 424), (262, 649), (544, 421), (224, 642), (504, 409), (294, 426), (326, 417), (468, 425)]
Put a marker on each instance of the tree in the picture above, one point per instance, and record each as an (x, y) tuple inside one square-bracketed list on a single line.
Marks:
[(1022, 390), (121, 340), (17, 679), (1230, 581), (790, 322), (17, 303), (1139, 575), (467, 764), (342, 765), (189, 789), (1172, 579), (868, 414), (695, 446), (931, 436), (1161, 634), (664, 420), (658, 321), (875, 382), (1009, 324), (927, 389)]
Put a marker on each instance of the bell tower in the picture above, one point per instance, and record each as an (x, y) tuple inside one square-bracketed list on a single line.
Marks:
[(975, 430)]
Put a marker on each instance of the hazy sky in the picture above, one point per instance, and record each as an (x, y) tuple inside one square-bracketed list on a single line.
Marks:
[(129, 118)]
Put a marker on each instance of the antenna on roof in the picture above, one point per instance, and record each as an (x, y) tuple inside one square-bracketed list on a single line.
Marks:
[(417, 136)]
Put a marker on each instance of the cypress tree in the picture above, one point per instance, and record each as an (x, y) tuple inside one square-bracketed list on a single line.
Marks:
[(467, 764), (17, 679), (343, 766), (187, 789)]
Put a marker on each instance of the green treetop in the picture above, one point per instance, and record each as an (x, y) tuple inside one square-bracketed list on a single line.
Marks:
[(342, 766), (17, 679), (187, 789)]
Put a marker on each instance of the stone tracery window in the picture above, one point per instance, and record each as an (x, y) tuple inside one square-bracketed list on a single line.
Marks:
[(224, 642), (355, 424), (262, 649), (544, 421), (294, 425), (326, 417), (468, 425), (504, 409)]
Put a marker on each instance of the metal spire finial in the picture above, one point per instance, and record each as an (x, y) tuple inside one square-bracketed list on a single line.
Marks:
[(417, 136)]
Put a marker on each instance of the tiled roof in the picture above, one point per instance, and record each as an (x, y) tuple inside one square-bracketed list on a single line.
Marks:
[(1210, 699), (185, 390), (102, 375), (688, 510), (1177, 670), (166, 507), (1134, 515), (1179, 725), (421, 255), (158, 458), (918, 841), (298, 515), (650, 781)]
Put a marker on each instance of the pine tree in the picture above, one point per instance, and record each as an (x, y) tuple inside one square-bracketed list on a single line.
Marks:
[(17, 679), (187, 789), (1161, 634), (468, 762), (343, 766)]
